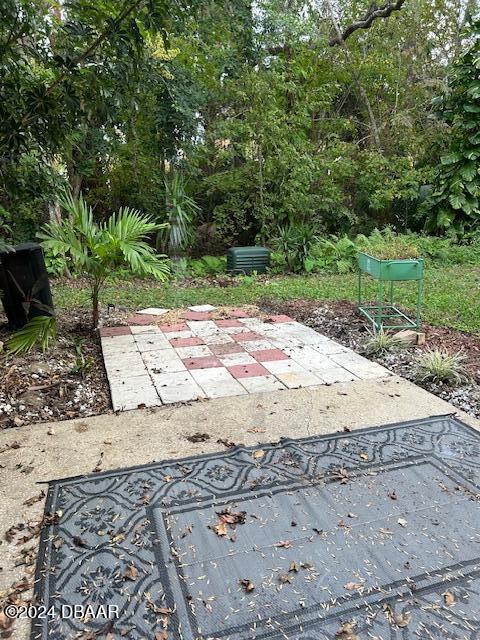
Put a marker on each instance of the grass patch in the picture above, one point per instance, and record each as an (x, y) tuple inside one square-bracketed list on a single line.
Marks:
[(451, 298)]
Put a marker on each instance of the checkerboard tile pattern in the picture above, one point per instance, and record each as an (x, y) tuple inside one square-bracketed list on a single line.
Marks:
[(150, 365)]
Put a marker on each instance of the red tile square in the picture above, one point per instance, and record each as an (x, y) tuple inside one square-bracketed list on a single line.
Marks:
[(225, 324), (202, 363), (269, 355), (277, 319), (224, 349), (238, 313), (246, 335), (247, 370), (196, 315), (140, 318), (186, 342), (108, 332), (166, 328)]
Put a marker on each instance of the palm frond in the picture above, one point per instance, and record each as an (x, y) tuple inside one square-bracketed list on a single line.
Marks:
[(39, 331)]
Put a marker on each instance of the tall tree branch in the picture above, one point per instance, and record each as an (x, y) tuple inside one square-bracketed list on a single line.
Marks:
[(374, 13)]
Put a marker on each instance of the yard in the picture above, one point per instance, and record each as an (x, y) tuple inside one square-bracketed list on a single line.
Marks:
[(205, 432)]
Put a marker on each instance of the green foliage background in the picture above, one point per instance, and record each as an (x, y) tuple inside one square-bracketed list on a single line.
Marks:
[(269, 125)]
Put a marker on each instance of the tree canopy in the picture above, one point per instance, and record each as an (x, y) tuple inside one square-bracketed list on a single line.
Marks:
[(267, 122)]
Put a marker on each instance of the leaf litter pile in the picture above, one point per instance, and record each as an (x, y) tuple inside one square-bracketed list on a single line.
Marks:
[(372, 534)]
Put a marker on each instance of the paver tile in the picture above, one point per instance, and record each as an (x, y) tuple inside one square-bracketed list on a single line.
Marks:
[(156, 362), (234, 330), (269, 355), (297, 379), (152, 342), (334, 374), (132, 383), (203, 327), (261, 384), (329, 347), (194, 341), (202, 363), (153, 311), (247, 370), (177, 387), (179, 326), (127, 399), (257, 345), (108, 332), (225, 324), (171, 335), (217, 383), (195, 315), (140, 318), (221, 338), (145, 328), (247, 335), (284, 366), (201, 351), (223, 349), (202, 308), (231, 359)]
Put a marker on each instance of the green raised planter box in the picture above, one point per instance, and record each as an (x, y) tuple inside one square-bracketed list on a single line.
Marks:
[(248, 259), (391, 270), (385, 315)]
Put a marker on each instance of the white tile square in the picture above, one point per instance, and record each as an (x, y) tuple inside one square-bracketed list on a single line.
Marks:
[(261, 384), (217, 382), (154, 311), (256, 345), (232, 359), (220, 338), (202, 308), (170, 335), (177, 387), (203, 327), (200, 351), (145, 328)]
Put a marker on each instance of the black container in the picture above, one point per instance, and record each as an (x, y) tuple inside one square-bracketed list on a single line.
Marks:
[(24, 286)]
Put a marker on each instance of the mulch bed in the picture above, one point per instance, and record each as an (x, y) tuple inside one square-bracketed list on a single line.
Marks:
[(339, 320), (59, 384)]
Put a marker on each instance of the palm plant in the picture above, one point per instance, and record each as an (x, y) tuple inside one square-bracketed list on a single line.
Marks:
[(179, 233), (98, 249)]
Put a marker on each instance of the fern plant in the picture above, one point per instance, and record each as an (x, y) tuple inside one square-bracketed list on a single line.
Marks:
[(98, 249), (39, 330)]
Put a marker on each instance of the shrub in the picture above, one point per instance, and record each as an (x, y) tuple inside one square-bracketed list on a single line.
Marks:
[(295, 242), (208, 266), (438, 365)]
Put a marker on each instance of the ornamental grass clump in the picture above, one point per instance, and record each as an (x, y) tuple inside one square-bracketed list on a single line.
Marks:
[(380, 343), (440, 366)]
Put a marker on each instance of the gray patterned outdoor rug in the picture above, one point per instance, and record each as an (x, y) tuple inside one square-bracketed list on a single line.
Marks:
[(370, 534)]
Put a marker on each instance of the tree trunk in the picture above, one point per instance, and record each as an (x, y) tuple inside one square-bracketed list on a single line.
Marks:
[(95, 305)]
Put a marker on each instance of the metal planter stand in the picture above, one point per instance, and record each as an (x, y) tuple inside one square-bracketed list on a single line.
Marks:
[(384, 314)]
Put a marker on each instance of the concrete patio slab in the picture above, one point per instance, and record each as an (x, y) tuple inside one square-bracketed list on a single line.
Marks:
[(64, 449)]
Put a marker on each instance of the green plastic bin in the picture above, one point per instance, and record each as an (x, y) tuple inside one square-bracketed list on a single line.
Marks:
[(246, 260)]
